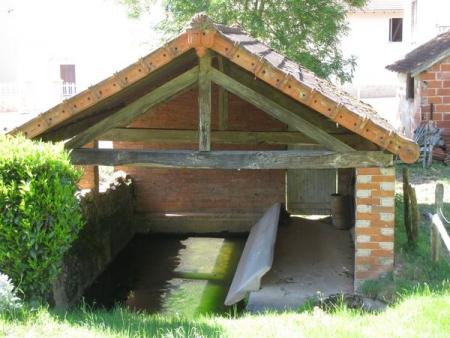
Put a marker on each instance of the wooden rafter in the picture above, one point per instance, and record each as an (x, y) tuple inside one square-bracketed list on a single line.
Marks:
[(282, 99), (278, 112), (126, 115)]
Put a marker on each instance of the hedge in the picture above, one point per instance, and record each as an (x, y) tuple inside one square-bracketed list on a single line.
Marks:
[(39, 213)]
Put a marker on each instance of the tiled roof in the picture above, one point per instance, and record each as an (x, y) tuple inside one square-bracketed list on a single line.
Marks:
[(423, 56), (245, 51)]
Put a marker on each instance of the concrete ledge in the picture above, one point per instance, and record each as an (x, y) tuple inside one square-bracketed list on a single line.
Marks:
[(198, 223), (257, 256)]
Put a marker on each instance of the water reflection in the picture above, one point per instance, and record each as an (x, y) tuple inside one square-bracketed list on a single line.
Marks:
[(188, 275)]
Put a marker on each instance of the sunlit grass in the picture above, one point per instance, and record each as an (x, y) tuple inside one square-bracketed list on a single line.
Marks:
[(418, 292), (424, 313)]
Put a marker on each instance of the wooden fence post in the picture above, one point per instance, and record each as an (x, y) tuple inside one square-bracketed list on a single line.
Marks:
[(435, 237), (414, 214), (406, 205)]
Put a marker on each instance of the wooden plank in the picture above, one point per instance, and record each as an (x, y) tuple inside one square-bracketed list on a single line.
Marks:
[(204, 103), (310, 186), (290, 159), (223, 98), (126, 115), (435, 237), (278, 112)]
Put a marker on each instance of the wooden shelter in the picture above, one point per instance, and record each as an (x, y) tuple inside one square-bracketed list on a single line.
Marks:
[(215, 127)]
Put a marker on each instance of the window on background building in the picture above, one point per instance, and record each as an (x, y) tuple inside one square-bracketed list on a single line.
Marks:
[(67, 74), (409, 86), (396, 30)]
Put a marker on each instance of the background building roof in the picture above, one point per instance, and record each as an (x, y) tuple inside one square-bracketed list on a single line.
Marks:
[(383, 6), (424, 56)]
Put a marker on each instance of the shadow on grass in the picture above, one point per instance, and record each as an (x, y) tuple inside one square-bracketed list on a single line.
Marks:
[(121, 321)]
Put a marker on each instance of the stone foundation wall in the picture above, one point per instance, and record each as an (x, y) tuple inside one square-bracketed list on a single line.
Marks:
[(109, 227)]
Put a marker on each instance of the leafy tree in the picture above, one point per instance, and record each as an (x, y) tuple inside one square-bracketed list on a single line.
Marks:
[(307, 31)]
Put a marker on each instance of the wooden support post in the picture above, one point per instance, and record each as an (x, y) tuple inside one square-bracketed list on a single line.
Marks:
[(223, 99), (435, 237), (204, 103), (96, 172)]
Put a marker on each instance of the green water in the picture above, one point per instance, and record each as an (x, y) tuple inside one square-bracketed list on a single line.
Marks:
[(186, 276)]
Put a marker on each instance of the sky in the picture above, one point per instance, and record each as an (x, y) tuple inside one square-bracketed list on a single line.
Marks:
[(96, 35)]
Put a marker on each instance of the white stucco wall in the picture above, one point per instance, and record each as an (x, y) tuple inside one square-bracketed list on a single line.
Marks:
[(431, 15), (369, 41), (95, 35)]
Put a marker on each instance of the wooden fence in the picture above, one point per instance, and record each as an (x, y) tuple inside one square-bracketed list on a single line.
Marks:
[(438, 233)]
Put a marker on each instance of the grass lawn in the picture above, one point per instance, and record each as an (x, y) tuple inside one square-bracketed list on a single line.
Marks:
[(418, 292)]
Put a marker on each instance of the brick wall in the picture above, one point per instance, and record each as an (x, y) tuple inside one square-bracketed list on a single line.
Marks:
[(205, 191), (374, 225), (435, 89)]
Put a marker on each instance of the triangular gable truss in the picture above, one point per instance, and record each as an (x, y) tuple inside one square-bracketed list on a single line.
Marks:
[(244, 54)]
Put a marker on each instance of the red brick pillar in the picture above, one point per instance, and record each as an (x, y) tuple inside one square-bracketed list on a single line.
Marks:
[(90, 173), (374, 225), (88, 180)]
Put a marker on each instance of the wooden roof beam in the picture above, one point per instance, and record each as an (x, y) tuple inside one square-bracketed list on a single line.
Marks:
[(290, 159), (278, 112)]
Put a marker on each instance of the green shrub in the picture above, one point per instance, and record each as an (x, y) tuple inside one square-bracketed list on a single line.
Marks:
[(39, 214)]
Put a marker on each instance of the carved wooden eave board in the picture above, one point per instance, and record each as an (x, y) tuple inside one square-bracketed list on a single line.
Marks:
[(328, 116)]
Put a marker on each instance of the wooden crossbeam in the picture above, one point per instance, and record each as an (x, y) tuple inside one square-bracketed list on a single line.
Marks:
[(127, 114), (217, 137), (291, 159), (278, 112)]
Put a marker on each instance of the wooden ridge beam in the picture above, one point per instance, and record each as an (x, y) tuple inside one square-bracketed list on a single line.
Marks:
[(126, 115), (278, 112), (291, 159)]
